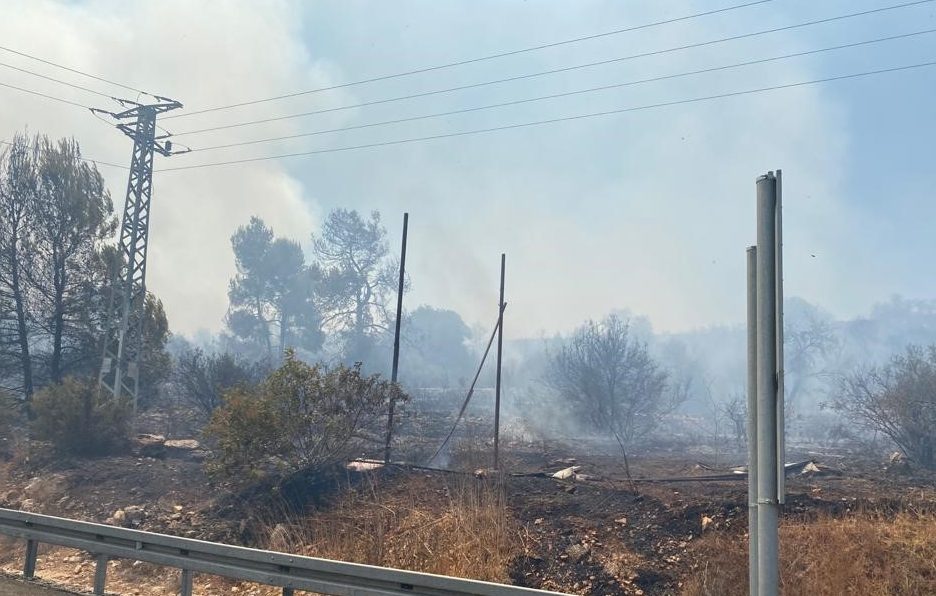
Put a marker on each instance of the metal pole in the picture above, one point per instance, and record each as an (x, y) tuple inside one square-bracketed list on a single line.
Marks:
[(100, 574), (185, 583), (123, 329), (781, 402), (500, 351), (752, 416), (396, 338), (768, 507), (32, 551)]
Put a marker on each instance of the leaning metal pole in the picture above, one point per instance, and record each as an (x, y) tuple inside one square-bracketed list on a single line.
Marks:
[(752, 416), (123, 332), (768, 502), (396, 339), (500, 353)]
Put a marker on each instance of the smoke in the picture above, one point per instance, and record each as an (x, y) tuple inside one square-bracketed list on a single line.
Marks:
[(819, 350), (650, 209), (202, 53)]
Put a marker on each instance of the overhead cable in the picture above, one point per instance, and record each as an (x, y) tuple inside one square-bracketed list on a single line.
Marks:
[(54, 80), (74, 70), (94, 111), (474, 60), (563, 69), (557, 120), (87, 159), (52, 97), (565, 94)]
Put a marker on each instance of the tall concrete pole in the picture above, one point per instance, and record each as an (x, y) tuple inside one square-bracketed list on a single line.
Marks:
[(500, 351), (768, 507), (781, 402), (396, 338), (752, 416)]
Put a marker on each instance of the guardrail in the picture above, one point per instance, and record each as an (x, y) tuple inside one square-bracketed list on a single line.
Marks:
[(291, 572)]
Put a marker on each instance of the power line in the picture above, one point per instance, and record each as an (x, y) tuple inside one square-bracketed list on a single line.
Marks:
[(41, 76), (74, 70), (568, 93), (566, 68), (473, 60), (94, 111), (52, 97), (556, 120), (87, 159)]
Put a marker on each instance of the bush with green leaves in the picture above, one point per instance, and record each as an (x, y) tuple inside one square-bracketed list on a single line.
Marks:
[(302, 417), (80, 420)]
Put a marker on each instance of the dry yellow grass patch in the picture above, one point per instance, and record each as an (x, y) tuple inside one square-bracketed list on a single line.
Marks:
[(463, 529), (863, 554)]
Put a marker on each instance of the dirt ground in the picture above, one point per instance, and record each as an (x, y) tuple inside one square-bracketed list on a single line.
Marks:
[(17, 587), (590, 535), (601, 537)]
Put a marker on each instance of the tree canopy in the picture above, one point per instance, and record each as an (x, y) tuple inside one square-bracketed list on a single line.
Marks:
[(57, 253), (272, 296), (359, 280), (610, 380)]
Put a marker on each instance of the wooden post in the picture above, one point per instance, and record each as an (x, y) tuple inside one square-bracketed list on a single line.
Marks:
[(396, 339), (500, 350)]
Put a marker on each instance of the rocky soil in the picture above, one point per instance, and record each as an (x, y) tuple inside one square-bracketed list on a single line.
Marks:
[(589, 533)]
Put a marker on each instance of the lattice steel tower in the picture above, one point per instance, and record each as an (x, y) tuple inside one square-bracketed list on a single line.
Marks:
[(123, 331)]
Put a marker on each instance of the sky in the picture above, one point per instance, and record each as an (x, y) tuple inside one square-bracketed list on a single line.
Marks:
[(648, 210)]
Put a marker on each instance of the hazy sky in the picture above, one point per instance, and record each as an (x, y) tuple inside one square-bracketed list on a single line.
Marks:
[(648, 210)]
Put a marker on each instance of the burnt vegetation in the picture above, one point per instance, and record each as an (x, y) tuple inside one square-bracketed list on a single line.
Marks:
[(619, 444)]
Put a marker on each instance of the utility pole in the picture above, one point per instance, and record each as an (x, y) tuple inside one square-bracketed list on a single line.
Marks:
[(770, 464), (500, 352), (781, 393), (123, 332), (752, 416), (396, 338)]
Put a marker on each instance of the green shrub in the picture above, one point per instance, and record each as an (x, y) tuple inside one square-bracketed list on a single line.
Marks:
[(242, 432), (78, 419), (301, 417)]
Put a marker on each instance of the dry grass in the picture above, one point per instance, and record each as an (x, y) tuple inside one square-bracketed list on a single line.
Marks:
[(863, 554), (462, 529)]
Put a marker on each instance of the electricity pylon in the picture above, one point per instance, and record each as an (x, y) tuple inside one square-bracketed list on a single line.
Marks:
[(123, 329)]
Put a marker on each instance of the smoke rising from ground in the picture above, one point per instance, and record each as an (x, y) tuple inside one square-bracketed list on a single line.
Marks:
[(651, 210)]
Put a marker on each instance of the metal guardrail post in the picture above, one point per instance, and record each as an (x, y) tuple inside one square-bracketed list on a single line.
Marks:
[(32, 550), (186, 588), (289, 572), (100, 574)]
